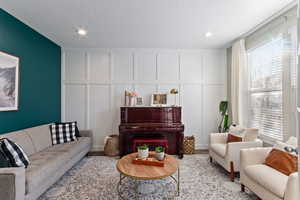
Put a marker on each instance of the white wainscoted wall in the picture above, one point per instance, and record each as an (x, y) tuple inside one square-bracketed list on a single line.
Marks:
[(94, 80)]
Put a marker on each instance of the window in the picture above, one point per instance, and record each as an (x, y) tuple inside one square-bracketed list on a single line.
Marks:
[(265, 88), (272, 78)]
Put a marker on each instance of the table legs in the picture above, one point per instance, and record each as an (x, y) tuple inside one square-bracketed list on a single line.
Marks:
[(177, 181), (136, 188), (136, 185), (122, 177)]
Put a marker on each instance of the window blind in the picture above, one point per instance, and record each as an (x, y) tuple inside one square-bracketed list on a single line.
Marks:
[(265, 92), (272, 77)]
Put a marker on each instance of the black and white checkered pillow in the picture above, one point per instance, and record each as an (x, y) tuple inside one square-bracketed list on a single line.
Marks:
[(14, 153), (63, 132), (77, 134)]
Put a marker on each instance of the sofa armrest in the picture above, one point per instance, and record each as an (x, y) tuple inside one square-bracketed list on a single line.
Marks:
[(292, 188), (254, 156), (12, 183), (86, 133), (234, 148), (218, 138)]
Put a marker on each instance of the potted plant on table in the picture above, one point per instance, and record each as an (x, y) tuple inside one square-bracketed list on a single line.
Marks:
[(160, 153), (143, 151)]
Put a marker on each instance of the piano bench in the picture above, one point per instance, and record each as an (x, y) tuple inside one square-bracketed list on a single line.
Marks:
[(152, 143)]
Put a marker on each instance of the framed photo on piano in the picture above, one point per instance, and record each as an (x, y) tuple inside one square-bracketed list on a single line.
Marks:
[(139, 101), (159, 99)]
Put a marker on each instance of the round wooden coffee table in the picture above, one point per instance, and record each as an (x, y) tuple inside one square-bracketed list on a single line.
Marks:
[(144, 172)]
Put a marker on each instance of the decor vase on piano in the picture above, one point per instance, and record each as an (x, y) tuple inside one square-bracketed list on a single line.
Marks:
[(153, 126)]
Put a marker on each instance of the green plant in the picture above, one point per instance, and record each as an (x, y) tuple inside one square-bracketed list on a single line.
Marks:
[(143, 147), (224, 124), (159, 149)]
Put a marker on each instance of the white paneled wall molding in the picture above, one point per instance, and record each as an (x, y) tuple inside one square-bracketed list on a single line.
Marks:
[(94, 81)]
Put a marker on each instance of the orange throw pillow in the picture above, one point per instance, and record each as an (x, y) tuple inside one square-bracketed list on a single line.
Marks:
[(233, 138), (282, 161)]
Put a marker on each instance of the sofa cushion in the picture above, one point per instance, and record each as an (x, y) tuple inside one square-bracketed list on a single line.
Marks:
[(14, 153), (72, 148), (267, 177), (63, 132), (23, 140), (233, 138), (4, 161), (40, 136), (43, 165), (282, 161), (77, 133), (47, 162), (219, 149)]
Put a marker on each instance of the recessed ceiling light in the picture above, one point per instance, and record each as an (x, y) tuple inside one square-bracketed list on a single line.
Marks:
[(81, 32), (208, 34)]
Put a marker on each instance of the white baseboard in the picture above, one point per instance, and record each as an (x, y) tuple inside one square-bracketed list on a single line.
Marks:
[(201, 146), (98, 148)]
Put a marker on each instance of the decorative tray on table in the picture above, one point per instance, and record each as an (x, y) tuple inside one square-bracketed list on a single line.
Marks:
[(151, 161)]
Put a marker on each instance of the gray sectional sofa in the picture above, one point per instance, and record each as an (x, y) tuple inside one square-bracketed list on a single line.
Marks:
[(47, 162)]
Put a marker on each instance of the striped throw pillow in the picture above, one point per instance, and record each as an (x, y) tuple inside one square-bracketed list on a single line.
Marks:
[(14, 153)]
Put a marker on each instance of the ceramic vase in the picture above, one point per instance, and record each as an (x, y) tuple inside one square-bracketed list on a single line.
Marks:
[(132, 101), (160, 155), (143, 153)]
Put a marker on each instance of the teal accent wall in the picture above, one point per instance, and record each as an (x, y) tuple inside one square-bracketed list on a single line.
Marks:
[(40, 75)]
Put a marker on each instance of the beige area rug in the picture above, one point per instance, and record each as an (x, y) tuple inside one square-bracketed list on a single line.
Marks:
[(96, 178)]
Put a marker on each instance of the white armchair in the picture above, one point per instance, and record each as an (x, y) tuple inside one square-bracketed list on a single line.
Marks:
[(264, 181), (228, 154)]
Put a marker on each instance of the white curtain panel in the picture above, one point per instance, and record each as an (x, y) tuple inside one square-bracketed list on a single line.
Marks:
[(239, 84)]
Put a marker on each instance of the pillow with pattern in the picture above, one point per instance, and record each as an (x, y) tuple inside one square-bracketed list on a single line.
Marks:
[(14, 153), (4, 161), (63, 132), (77, 133)]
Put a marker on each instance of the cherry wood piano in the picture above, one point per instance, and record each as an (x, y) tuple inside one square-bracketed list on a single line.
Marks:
[(151, 123)]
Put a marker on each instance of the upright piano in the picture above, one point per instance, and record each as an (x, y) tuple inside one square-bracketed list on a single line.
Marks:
[(151, 122)]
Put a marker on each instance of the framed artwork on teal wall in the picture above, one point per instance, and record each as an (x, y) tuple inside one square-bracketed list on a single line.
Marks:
[(9, 82)]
